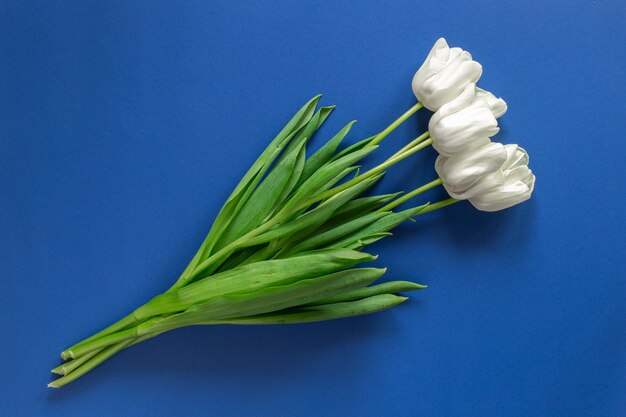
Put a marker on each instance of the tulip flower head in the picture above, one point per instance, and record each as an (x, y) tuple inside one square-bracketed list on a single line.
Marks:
[(467, 122), (512, 184), (444, 74), (462, 171)]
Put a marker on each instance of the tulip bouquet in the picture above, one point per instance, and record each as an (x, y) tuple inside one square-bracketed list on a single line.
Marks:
[(285, 245)]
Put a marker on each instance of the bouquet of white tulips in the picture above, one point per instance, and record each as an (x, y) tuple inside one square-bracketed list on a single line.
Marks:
[(287, 242)]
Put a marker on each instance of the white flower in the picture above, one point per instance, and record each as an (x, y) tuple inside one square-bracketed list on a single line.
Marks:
[(512, 184), (444, 74), (461, 171), (467, 122)]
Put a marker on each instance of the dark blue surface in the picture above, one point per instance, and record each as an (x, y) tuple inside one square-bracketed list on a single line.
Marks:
[(124, 127)]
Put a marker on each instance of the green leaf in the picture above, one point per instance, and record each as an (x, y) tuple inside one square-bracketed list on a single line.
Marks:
[(293, 180), (392, 287), (238, 258), (324, 154), (249, 181), (354, 148), (359, 206), (297, 293), (263, 252), (321, 178), (299, 120), (315, 217), (319, 240), (322, 312), (252, 277), (260, 203), (315, 123), (367, 240), (266, 300), (324, 113), (309, 130), (305, 233), (382, 225)]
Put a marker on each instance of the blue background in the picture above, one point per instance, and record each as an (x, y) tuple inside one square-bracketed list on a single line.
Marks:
[(123, 127)]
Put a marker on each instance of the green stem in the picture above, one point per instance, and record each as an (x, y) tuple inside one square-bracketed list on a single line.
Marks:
[(79, 367), (414, 142), (130, 320), (103, 342), (115, 327), (438, 205), (89, 365), (382, 135), (410, 195), (67, 367), (397, 157)]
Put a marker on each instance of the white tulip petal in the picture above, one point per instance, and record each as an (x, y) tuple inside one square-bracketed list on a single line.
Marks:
[(469, 128), (461, 171), (444, 75), (516, 157), (517, 185), (485, 184), (497, 106), (460, 102), (505, 196)]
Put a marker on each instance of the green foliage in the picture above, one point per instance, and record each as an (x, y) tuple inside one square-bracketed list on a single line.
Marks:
[(282, 248), (322, 312)]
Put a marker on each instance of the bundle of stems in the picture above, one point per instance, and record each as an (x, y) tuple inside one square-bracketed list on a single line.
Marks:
[(283, 248)]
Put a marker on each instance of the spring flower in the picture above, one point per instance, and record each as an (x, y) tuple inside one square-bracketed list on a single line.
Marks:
[(512, 184), (444, 74), (467, 122), (461, 171)]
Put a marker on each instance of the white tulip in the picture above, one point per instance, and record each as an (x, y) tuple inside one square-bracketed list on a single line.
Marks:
[(461, 171), (512, 184), (467, 122), (444, 74)]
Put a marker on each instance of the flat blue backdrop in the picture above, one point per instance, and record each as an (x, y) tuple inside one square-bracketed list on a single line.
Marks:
[(124, 126)]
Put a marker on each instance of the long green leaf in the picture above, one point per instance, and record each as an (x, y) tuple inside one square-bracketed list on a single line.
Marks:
[(381, 225), (362, 242), (321, 313), (315, 123), (321, 177), (264, 252), (324, 154), (293, 180), (354, 148), (299, 120), (267, 299), (263, 198), (319, 240), (315, 217), (249, 181), (305, 135), (253, 276), (392, 287), (359, 206)]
